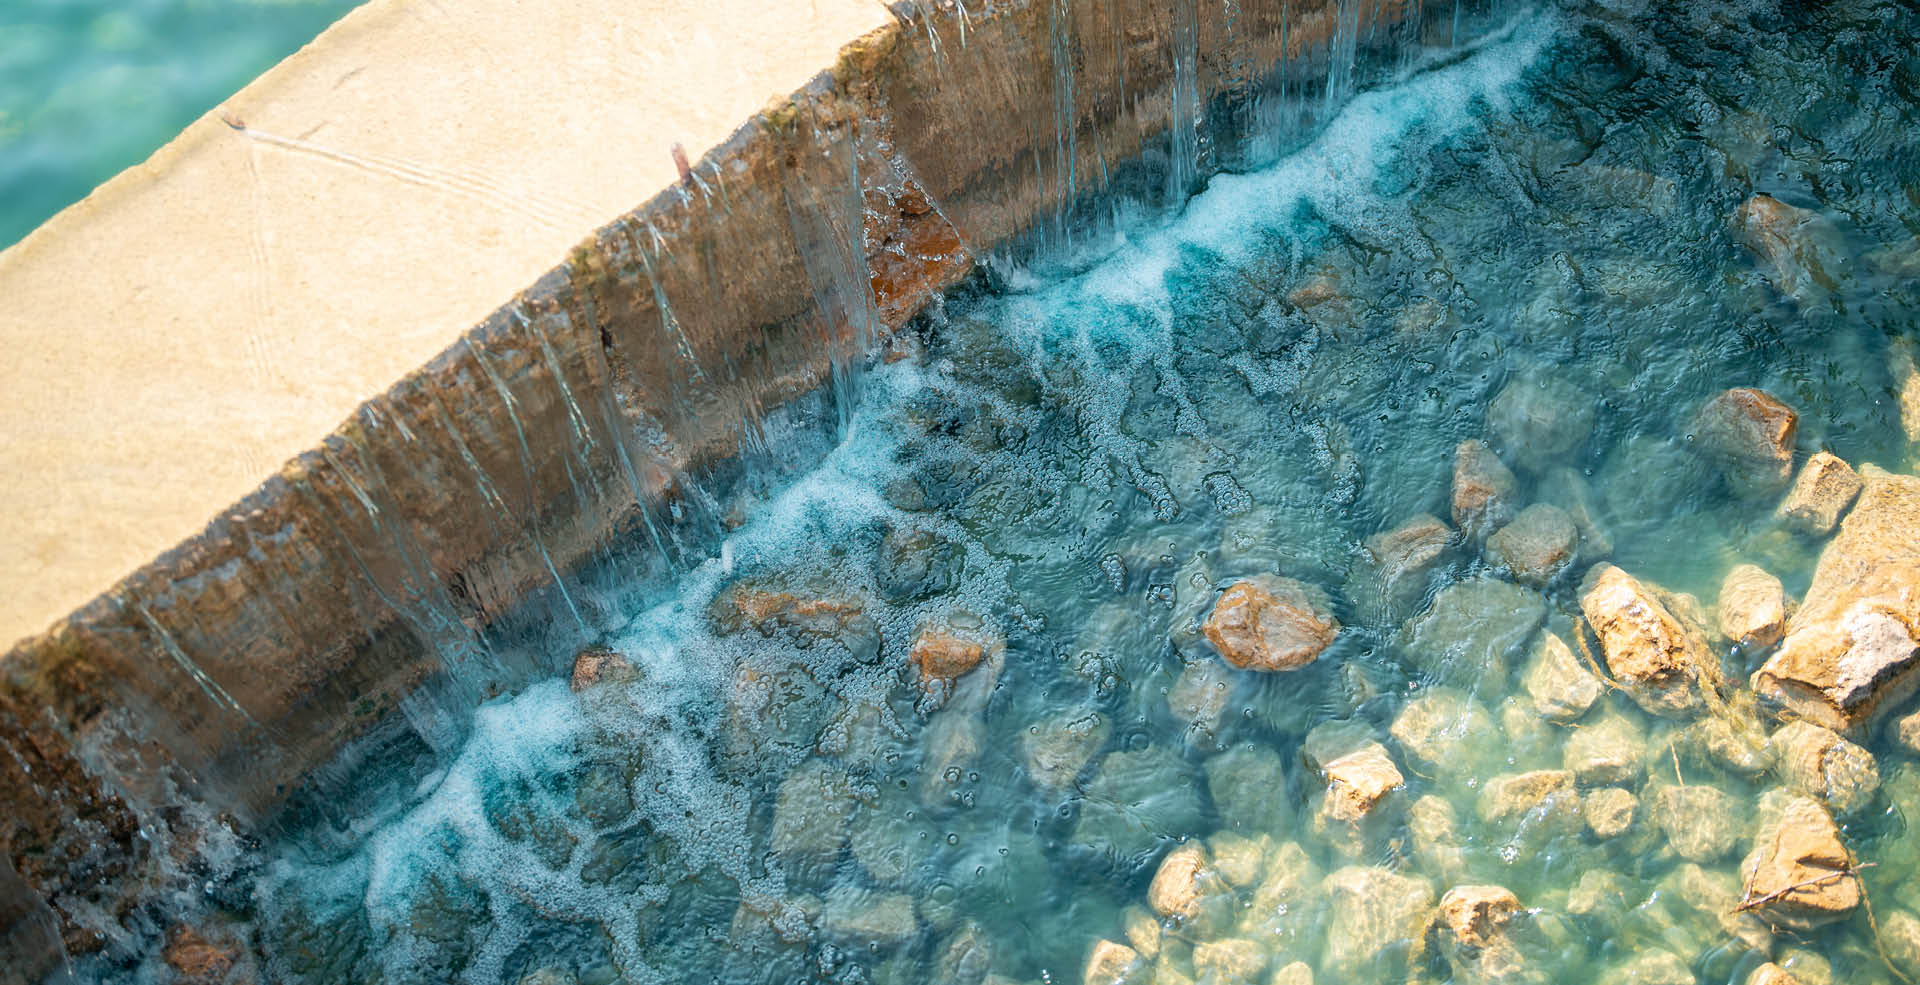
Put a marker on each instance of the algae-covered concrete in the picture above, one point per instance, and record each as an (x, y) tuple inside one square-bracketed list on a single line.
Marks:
[(409, 196)]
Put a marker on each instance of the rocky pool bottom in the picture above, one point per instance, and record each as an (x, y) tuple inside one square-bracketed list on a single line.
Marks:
[(1483, 547)]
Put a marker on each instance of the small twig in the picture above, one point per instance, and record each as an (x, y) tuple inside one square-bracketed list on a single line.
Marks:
[(1674, 751), (1580, 637), (1778, 894)]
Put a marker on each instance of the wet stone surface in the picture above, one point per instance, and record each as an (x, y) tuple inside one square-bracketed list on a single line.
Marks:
[(1396, 567)]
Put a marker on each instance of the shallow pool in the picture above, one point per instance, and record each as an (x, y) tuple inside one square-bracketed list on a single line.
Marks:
[(955, 706)]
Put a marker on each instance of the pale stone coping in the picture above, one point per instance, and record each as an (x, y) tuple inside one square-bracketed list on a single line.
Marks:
[(209, 314)]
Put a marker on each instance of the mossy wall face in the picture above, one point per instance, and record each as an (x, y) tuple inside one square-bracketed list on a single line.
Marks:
[(557, 461)]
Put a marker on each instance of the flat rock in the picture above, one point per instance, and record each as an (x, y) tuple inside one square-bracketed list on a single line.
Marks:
[(1607, 750), (1376, 916), (1702, 823), (1297, 973), (1561, 686), (1753, 607), (1242, 782), (1609, 811), (1200, 696), (1850, 649), (1439, 729), (1136, 801), (1270, 623), (1399, 560), (1652, 656), (1651, 968), (1485, 492), (1820, 495), (1771, 974), (1230, 959), (1800, 868), (1748, 435), (1472, 629), (1359, 780), (1539, 421), (1800, 250), (1821, 763), (1537, 546)]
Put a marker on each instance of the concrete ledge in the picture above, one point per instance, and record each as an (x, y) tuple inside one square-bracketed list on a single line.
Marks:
[(576, 429)]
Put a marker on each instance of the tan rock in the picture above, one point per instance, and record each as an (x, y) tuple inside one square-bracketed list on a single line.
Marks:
[(1748, 435), (878, 919), (1113, 964), (1652, 656), (1561, 686), (195, 959), (939, 654), (1485, 491), (1906, 380), (1652, 967), (1905, 731), (1411, 549), (1609, 811), (1436, 837), (1359, 780), (1515, 795), (1850, 649), (1538, 545), (1473, 916), (1180, 883), (1820, 495), (1700, 822), (1771, 974), (599, 665), (1820, 763), (1797, 876), (1753, 607), (1900, 933), (1607, 750), (1238, 859), (1472, 629), (1270, 623)]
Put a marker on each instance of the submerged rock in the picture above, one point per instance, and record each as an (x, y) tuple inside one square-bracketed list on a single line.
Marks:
[(1568, 489), (1399, 560), (810, 816), (1182, 881), (912, 565), (1440, 730), (1471, 630), (1485, 492), (1753, 607), (1561, 686), (1359, 780), (1652, 656), (1058, 749), (1136, 800), (1297, 973), (1474, 936), (1820, 763), (882, 920), (1247, 785), (1651, 968), (1229, 960), (1609, 811), (598, 665), (1850, 649), (806, 615), (940, 653), (1799, 875), (1537, 546), (1748, 435), (1114, 964), (1702, 823), (1607, 750), (1286, 904), (1199, 698), (1771, 974), (1821, 494), (1436, 837), (1270, 623), (1796, 246), (1544, 795), (1538, 421), (1376, 916)]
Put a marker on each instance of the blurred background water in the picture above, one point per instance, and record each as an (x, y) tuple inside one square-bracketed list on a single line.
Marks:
[(91, 87)]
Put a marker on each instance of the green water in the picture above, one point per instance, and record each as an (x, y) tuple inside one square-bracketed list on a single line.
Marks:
[(1071, 471), (91, 87)]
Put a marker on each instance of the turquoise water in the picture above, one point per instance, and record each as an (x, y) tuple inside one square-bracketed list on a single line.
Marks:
[(1074, 466), (91, 87)]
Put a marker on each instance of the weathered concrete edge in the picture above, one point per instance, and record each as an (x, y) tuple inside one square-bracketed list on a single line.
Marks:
[(234, 663)]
